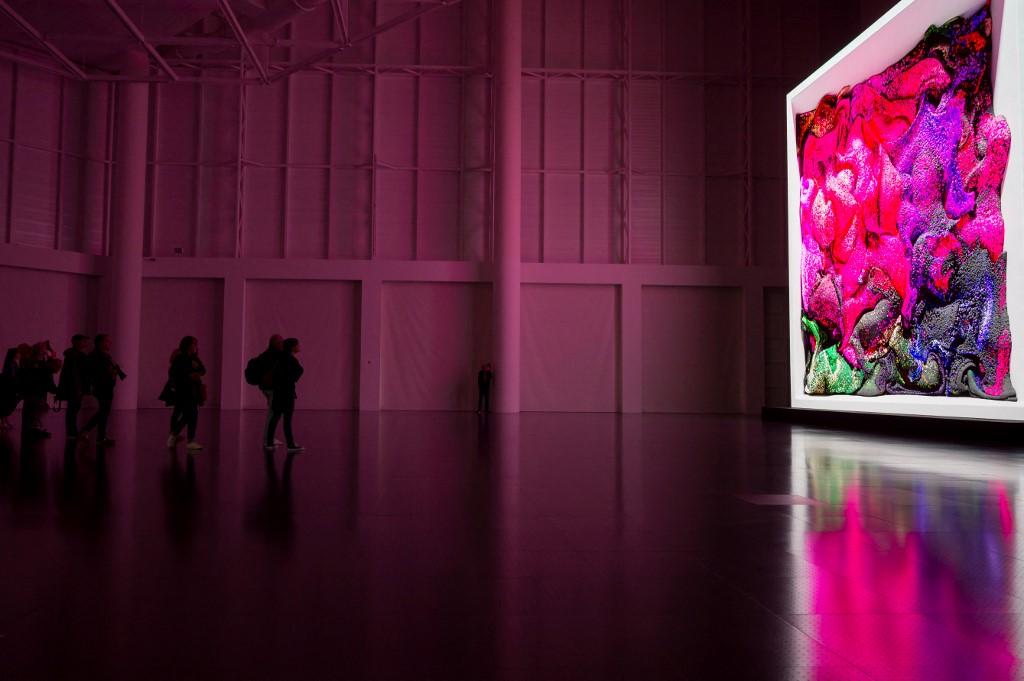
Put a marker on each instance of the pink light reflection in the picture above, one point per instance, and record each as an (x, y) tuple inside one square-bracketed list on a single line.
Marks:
[(913, 604)]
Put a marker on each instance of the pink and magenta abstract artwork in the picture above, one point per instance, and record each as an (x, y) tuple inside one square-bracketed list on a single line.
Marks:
[(903, 273)]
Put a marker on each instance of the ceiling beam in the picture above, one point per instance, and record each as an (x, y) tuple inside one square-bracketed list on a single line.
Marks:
[(138, 35), (405, 18), (243, 40), (24, 25), (340, 18)]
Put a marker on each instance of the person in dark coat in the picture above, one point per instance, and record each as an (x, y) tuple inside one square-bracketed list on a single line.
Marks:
[(104, 373), (35, 383), (74, 382), (186, 376), (484, 380), (286, 374), (9, 396), (268, 359)]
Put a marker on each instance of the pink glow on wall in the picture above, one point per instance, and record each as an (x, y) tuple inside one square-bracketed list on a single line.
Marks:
[(434, 338), (27, 319)]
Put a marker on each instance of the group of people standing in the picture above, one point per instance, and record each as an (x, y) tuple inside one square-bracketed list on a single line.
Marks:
[(29, 371), (28, 377)]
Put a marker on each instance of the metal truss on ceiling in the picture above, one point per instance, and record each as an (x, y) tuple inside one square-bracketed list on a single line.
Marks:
[(48, 50)]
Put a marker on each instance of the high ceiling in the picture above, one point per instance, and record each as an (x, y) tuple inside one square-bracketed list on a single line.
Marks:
[(194, 39)]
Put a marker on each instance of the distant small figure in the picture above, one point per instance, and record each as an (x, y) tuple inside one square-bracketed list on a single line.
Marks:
[(9, 396), (259, 371), (286, 374), (35, 382), (103, 375), (186, 374), (484, 381), (74, 382)]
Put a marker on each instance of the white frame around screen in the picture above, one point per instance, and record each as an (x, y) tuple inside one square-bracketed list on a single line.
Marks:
[(885, 42)]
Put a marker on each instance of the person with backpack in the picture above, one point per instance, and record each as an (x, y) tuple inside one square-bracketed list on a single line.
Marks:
[(286, 374), (74, 382), (259, 371)]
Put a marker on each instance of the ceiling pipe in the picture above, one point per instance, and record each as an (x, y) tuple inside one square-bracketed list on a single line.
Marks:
[(329, 54), (252, 24), (243, 40), (277, 13), (57, 54), (138, 35)]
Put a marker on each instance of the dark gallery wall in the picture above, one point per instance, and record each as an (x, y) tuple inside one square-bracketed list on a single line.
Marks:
[(352, 205)]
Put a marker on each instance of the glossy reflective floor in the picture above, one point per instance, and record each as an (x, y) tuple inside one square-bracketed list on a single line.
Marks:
[(443, 546)]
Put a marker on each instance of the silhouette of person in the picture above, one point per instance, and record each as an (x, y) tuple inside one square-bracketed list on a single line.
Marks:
[(35, 381), (268, 360), (9, 387), (286, 374), (186, 376), (484, 381), (104, 374), (73, 382)]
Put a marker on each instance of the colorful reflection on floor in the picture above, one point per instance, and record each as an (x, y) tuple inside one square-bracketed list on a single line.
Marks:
[(913, 556)]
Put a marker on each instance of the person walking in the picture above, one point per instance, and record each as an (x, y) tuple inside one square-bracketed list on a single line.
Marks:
[(286, 374), (73, 382), (104, 374), (186, 375), (260, 372), (484, 380), (9, 396)]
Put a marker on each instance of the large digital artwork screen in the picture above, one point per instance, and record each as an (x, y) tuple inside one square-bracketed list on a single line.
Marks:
[(903, 274), (902, 268)]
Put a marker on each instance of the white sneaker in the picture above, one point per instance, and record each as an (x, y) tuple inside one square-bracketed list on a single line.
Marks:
[(172, 441), (296, 448), (193, 445), (277, 443)]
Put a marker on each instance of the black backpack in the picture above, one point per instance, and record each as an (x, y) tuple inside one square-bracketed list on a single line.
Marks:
[(254, 370)]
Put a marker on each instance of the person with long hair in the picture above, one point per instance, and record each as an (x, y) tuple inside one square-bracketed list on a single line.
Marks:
[(286, 374), (186, 377)]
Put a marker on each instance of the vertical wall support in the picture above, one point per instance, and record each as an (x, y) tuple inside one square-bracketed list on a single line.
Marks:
[(97, 165), (123, 287), (197, 196), (508, 30), (631, 347), (59, 208), (13, 144), (748, 136), (753, 347), (369, 345), (232, 357)]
